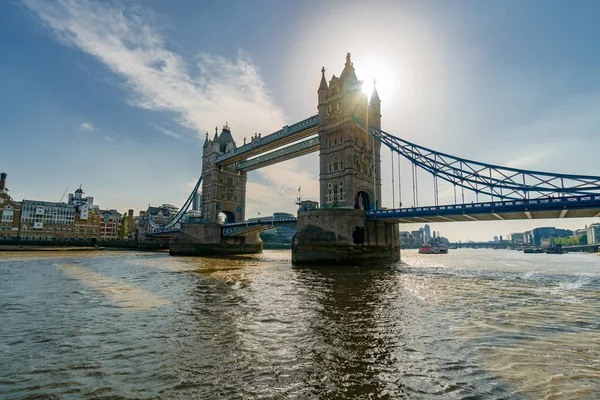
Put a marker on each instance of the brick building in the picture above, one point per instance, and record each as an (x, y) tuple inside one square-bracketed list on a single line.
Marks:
[(10, 212), (110, 221)]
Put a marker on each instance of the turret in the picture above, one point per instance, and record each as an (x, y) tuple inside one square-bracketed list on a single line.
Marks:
[(322, 92), (226, 140), (375, 106), (348, 75)]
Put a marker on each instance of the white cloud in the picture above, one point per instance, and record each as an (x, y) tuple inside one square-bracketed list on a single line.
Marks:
[(201, 96), (213, 90), (86, 126), (167, 132), (108, 138)]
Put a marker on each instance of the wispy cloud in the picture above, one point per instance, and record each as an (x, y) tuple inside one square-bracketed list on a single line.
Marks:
[(166, 131), (200, 94), (86, 126), (214, 90), (530, 160), (108, 138)]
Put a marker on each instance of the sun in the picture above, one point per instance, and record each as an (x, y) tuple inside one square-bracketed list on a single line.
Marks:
[(376, 70)]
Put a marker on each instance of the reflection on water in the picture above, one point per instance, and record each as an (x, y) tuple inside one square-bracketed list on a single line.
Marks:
[(470, 324), (124, 295)]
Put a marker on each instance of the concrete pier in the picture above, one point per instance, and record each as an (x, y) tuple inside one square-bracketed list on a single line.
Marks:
[(343, 237), (206, 240)]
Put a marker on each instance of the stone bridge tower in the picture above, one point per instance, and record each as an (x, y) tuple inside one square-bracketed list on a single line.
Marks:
[(223, 188), (339, 232), (346, 153)]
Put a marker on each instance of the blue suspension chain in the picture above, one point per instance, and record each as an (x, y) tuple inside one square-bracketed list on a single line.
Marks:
[(393, 184), (399, 184)]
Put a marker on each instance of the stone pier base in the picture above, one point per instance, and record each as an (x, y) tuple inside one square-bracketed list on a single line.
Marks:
[(206, 240), (344, 237)]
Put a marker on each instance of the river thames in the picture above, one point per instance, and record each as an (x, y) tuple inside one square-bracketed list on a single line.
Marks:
[(492, 324)]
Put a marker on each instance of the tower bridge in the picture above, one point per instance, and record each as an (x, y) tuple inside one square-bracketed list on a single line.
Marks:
[(350, 225)]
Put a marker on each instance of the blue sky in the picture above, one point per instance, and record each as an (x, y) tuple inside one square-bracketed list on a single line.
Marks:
[(116, 96)]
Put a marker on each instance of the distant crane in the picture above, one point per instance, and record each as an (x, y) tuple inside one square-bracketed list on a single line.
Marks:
[(63, 195)]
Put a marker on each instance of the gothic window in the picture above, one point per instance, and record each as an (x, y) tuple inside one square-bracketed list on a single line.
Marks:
[(335, 142), (329, 143), (342, 164)]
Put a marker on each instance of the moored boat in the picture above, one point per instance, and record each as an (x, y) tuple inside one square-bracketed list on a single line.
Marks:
[(532, 250)]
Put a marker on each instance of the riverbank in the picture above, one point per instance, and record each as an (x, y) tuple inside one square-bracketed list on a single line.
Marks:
[(16, 248)]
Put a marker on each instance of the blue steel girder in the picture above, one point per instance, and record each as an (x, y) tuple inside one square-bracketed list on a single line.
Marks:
[(174, 222), (252, 226), (493, 180), (286, 153), (286, 135), (560, 207)]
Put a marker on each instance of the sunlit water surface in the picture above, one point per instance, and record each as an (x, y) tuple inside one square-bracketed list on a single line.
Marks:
[(469, 324)]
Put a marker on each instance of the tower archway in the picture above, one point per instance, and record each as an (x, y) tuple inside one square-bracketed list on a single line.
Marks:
[(362, 201), (226, 217)]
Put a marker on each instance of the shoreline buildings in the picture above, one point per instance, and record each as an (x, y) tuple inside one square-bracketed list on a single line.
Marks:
[(77, 219)]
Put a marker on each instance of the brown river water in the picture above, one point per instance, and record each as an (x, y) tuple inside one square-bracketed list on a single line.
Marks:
[(472, 324)]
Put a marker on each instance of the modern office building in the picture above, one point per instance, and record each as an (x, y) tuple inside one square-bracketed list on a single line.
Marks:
[(593, 234), (534, 237)]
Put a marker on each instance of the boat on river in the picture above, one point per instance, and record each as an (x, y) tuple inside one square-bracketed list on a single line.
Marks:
[(429, 249), (533, 250), (555, 250)]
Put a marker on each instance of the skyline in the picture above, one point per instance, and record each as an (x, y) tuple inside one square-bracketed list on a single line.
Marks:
[(122, 96)]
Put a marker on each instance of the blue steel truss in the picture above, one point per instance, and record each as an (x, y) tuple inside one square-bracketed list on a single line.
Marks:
[(285, 153), (496, 181), (283, 133), (561, 205), (174, 223), (256, 225)]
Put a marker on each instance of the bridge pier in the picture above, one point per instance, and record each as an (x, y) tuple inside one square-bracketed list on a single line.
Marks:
[(207, 240), (344, 237)]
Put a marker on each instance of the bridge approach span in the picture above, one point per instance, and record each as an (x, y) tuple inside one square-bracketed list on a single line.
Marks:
[(561, 207)]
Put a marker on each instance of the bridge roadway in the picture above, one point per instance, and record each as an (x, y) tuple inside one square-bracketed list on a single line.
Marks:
[(559, 207)]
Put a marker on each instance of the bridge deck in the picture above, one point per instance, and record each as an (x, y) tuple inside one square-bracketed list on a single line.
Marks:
[(286, 153), (286, 135), (563, 207)]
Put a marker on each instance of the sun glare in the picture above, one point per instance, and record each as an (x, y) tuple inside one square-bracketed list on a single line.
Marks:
[(376, 70)]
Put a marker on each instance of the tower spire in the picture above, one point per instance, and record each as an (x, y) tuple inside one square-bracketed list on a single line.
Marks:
[(323, 85), (348, 73), (375, 95)]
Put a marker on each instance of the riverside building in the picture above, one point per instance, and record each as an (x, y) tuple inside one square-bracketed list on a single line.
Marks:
[(10, 212), (43, 220), (110, 221)]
